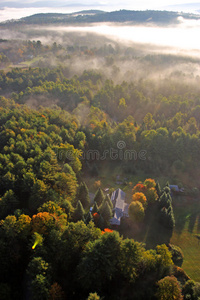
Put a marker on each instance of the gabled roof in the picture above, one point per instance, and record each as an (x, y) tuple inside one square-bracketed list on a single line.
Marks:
[(176, 188), (117, 196), (119, 205)]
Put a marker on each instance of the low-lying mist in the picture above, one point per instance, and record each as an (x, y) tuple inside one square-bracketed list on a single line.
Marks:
[(139, 51)]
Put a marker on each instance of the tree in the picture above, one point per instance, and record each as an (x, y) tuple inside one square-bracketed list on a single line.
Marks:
[(151, 195), (149, 121), (79, 212), (164, 201), (37, 266), (51, 207), (177, 255), (93, 296), (158, 189), (83, 195), (42, 222), (95, 208), (131, 254), (99, 262), (38, 195), (39, 287), (140, 197), (139, 188), (88, 218), (107, 199), (165, 255), (99, 197), (136, 211), (105, 211), (56, 292), (23, 226), (150, 183), (169, 289), (8, 203)]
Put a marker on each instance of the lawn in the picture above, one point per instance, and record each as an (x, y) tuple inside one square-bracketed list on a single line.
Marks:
[(187, 225)]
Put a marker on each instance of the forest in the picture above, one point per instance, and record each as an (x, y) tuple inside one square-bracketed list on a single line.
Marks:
[(98, 16), (71, 107)]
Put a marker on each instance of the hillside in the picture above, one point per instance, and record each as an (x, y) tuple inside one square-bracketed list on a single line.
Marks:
[(93, 16)]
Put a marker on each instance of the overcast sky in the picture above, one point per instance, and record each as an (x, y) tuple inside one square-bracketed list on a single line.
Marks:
[(15, 9)]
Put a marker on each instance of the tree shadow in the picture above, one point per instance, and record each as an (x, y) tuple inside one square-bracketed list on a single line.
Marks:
[(192, 221), (198, 224)]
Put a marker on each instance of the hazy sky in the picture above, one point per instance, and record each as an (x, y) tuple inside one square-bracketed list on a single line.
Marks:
[(134, 4), (15, 9)]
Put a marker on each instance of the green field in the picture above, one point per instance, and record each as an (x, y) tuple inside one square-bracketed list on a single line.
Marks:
[(187, 226)]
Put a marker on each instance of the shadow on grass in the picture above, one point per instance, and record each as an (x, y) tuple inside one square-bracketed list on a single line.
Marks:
[(198, 224), (192, 220)]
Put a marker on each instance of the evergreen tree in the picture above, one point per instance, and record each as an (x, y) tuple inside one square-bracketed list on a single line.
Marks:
[(107, 199), (79, 212), (99, 197), (164, 201), (106, 212), (101, 223), (95, 208), (88, 218), (83, 195), (170, 219), (158, 189)]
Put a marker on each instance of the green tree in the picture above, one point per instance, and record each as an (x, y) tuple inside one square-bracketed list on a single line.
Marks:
[(169, 289), (99, 197), (79, 212), (95, 208), (83, 195), (107, 199), (93, 296), (136, 211), (99, 262), (158, 189), (40, 288), (105, 212)]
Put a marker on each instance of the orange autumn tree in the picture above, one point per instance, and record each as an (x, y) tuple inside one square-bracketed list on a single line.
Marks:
[(139, 188), (42, 222), (148, 189), (140, 197)]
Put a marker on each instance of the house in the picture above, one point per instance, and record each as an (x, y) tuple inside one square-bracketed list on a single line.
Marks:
[(120, 206), (175, 189)]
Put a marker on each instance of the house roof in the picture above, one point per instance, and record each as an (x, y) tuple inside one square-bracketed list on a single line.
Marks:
[(120, 206), (174, 188), (117, 196)]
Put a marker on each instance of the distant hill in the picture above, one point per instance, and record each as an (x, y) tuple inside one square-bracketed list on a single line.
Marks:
[(96, 16)]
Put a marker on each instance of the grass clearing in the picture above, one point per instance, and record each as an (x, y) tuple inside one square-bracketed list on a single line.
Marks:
[(187, 225)]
